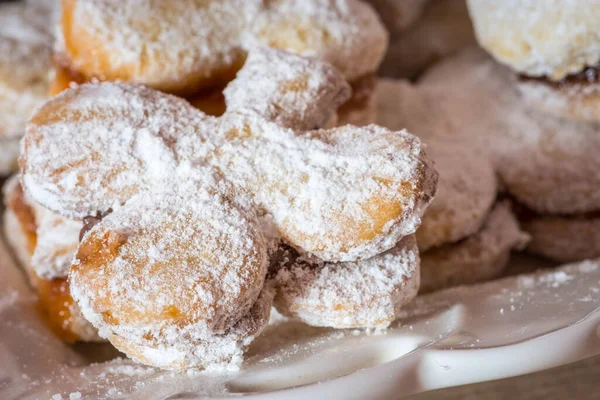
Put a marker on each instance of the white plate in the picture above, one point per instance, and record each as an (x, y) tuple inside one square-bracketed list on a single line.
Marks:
[(501, 329)]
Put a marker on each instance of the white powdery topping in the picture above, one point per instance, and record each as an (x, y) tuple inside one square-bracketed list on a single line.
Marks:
[(480, 257), (549, 164), (366, 293), (182, 259), (130, 133), (341, 194), (184, 263), (150, 40), (317, 86), (541, 38), (325, 189), (57, 241), (223, 352), (26, 47), (345, 33)]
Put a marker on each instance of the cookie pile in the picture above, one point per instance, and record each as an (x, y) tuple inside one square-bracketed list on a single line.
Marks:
[(201, 162)]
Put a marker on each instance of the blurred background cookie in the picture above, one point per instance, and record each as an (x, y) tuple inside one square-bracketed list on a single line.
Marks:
[(546, 163), (443, 28), (464, 237), (26, 47)]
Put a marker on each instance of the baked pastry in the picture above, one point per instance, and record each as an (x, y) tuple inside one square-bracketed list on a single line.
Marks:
[(21, 225), (467, 187), (552, 45), (26, 45), (551, 38), (387, 205), (113, 40), (547, 164), (366, 293), (158, 164), (464, 237), (443, 29)]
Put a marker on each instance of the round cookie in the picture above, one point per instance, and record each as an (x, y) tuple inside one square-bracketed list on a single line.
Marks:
[(564, 238), (222, 349), (26, 47), (480, 257), (548, 164), (467, 185), (550, 38), (57, 241), (193, 266), (366, 293)]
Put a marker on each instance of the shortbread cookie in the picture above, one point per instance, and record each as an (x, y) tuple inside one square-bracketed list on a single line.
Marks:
[(176, 259), (576, 98), (550, 38), (367, 293), (548, 164), (340, 194)]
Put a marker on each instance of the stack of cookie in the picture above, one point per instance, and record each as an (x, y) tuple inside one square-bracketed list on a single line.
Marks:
[(204, 161), (174, 218), (197, 72), (467, 234), (552, 51)]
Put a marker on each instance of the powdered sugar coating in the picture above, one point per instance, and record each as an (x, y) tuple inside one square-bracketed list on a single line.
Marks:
[(467, 185), (550, 38), (293, 83), (57, 241), (170, 267), (480, 257), (218, 352), (143, 41), (26, 47), (341, 194), (366, 293), (549, 164)]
